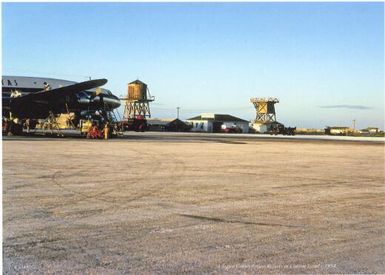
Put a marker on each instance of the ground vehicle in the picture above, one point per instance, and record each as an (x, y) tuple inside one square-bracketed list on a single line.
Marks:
[(138, 124), (280, 129), (230, 128)]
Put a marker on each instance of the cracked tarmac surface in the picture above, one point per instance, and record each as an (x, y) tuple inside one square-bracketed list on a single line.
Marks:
[(202, 206)]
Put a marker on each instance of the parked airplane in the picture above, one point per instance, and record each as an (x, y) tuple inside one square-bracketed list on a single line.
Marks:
[(36, 98)]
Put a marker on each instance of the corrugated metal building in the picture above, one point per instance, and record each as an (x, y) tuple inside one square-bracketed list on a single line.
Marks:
[(213, 123)]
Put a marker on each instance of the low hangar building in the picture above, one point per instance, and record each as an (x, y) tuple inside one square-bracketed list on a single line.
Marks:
[(167, 124), (337, 130), (214, 123)]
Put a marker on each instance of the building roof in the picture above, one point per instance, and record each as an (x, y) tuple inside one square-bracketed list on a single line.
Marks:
[(217, 117), (137, 82), (162, 121), (267, 123)]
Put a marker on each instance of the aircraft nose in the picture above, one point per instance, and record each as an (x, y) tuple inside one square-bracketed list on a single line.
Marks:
[(116, 102), (110, 101)]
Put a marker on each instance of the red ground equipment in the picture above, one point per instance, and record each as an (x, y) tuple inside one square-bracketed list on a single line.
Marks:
[(138, 124), (94, 132)]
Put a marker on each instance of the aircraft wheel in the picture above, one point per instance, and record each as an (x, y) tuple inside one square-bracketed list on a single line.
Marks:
[(15, 129)]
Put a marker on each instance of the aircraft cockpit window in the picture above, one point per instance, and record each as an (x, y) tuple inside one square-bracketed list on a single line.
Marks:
[(82, 94)]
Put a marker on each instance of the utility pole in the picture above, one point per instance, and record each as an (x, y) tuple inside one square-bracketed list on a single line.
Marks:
[(177, 117), (177, 112), (354, 125)]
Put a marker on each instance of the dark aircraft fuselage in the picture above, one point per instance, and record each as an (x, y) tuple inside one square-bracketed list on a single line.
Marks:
[(87, 100)]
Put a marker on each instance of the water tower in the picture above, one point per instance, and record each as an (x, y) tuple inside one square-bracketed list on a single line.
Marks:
[(137, 100), (265, 109)]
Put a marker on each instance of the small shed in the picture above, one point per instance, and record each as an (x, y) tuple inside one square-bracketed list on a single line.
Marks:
[(373, 130), (370, 131)]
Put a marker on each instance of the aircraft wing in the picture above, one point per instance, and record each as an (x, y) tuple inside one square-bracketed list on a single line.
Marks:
[(38, 105)]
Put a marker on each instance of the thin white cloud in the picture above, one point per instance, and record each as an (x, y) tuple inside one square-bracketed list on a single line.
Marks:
[(346, 106)]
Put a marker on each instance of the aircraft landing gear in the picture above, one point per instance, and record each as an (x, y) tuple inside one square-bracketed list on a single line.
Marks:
[(52, 125), (13, 128)]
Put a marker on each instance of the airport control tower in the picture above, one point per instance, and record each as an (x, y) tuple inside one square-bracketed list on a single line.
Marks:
[(137, 101)]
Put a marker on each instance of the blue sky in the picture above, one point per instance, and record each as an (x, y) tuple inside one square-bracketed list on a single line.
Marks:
[(324, 61)]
